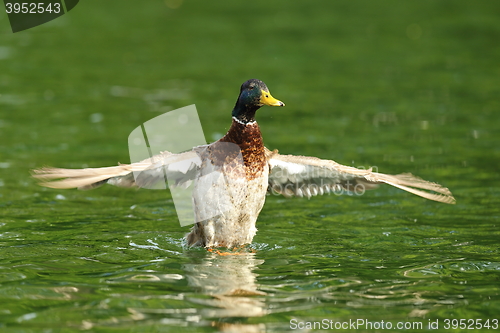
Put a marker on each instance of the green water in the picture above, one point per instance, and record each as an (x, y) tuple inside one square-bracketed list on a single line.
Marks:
[(401, 86)]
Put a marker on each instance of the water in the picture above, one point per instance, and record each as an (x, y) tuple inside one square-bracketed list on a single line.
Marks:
[(407, 87)]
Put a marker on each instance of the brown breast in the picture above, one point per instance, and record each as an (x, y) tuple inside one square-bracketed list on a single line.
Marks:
[(249, 140)]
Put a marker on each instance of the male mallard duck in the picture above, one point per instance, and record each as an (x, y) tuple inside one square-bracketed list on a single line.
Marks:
[(260, 171)]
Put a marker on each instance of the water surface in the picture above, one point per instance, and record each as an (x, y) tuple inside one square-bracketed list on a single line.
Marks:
[(407, 87)]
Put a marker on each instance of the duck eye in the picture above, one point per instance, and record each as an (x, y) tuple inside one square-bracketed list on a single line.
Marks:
[(251, 87)]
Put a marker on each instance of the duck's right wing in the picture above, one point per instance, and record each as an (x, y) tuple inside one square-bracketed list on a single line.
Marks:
[(149, 173)]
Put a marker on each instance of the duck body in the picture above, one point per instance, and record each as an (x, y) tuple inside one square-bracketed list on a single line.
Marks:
[(240, 157), (233, 175)]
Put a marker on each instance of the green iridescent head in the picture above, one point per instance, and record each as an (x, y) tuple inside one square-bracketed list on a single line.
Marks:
[(253, 94)]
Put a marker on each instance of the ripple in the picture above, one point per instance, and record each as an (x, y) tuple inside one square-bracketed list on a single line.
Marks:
[(448, 267)]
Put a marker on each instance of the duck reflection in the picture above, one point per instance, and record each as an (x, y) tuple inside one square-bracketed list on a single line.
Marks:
[(231, 282)]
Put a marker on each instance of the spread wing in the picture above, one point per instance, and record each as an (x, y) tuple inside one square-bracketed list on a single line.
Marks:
[(291, 175), (149, 173)]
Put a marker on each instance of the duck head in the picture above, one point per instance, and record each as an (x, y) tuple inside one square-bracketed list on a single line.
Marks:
[(253, 94)]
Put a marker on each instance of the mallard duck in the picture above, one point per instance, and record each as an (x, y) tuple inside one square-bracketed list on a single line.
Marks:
[(259, 172)]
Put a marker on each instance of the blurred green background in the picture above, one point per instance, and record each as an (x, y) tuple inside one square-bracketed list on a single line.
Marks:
[(401, 86)]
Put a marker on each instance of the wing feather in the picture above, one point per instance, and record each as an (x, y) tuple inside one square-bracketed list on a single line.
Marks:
[(179, 168), (292, 175)]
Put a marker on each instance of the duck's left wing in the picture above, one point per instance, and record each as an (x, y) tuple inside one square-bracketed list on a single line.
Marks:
[(292, 175)]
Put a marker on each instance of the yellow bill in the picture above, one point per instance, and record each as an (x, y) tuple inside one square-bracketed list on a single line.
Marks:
[(267, 99)]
